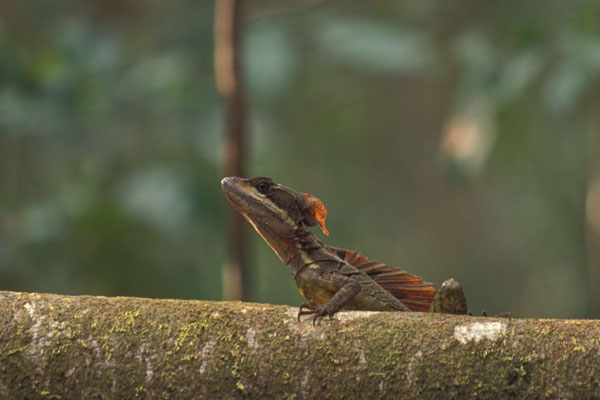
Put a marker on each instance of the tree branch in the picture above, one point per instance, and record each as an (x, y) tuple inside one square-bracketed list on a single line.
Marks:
[(54, 346), (228, 76)]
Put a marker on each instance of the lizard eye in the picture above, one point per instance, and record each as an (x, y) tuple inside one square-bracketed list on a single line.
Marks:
[(262, 187)]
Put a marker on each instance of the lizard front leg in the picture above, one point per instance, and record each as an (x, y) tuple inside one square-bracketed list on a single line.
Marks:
[(339, 300)]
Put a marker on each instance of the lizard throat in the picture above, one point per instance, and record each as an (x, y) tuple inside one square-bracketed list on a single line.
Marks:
[(308, 249), (296, 252)]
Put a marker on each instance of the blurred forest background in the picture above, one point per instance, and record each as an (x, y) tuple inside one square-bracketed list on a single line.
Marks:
[(454, 139)]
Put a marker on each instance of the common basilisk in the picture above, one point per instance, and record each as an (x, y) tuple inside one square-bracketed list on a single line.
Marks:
[(329, 278)]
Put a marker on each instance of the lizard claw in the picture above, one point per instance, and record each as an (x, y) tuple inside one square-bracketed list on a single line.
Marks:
[(505, 314), (318, 312), (301, 311)]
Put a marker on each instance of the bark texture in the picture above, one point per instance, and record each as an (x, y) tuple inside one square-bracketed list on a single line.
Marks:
[(85, 347)]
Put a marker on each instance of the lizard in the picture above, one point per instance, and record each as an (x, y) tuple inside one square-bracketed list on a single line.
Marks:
[(331, 279)]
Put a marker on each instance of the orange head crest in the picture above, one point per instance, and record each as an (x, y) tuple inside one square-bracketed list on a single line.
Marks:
[(315, 213)]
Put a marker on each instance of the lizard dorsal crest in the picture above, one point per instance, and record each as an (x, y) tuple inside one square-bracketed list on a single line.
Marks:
[(408, 288), (315, 212)]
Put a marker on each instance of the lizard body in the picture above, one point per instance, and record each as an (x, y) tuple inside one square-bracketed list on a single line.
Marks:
[(330, 279)]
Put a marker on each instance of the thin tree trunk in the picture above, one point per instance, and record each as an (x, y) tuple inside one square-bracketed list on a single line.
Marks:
[(229, 84), (592, 220), (85, 347)]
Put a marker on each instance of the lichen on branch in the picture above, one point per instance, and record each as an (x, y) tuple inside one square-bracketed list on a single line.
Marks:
[(53, 346)]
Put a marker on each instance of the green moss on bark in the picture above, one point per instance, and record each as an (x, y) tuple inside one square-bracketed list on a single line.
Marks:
[(54, 346)]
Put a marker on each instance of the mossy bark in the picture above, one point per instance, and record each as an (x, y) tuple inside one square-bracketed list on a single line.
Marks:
[(85, 347)]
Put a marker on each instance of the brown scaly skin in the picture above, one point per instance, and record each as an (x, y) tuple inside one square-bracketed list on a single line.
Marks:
[(282, 217)]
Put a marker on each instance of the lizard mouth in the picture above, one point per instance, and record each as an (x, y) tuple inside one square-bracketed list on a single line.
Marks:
[(229, 183), (235, 194), (244, 200)]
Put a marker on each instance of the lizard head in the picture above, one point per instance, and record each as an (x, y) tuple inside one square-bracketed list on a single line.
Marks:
[(275, 211)]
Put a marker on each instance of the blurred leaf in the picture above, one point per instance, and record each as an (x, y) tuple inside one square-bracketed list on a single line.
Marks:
[(156, 195), (270, 59), (577, 71), (41, 222), (518, 74), (478, 62), (374, 47)]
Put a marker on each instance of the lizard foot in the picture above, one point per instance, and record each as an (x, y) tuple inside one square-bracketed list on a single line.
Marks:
[(318, 312)]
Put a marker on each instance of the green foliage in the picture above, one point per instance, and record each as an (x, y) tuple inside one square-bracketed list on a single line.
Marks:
[(451, 140)]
